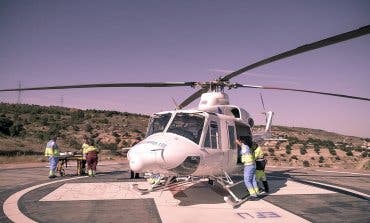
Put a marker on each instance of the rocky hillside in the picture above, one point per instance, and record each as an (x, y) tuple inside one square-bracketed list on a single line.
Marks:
[(24, 130), (304, 147)]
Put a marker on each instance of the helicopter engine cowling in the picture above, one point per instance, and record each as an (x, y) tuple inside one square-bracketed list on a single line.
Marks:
[(165, 153)]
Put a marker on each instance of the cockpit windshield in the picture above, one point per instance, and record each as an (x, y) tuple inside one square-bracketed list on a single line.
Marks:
[(188, 125), (158, 123)]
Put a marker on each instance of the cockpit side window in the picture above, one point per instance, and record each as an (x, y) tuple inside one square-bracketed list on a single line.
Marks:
[(211, 138), (158, 123), (187, 125), (235, 112)]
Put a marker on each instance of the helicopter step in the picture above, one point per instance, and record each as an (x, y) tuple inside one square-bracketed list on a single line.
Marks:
[(237, 191), (236, 203), (160, 185)]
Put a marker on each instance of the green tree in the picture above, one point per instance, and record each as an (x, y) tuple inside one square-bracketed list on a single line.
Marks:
[(16, 129), (5, 124)]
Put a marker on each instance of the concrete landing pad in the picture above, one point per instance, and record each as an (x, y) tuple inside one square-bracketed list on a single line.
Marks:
[(187, 203), (108, 197)]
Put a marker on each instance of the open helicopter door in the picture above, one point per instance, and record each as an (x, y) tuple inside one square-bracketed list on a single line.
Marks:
[(232, 147), (242, 132), (212, 143)]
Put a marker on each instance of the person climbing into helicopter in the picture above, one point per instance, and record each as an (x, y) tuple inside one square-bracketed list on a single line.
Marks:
[(249, 166), (260, 166)]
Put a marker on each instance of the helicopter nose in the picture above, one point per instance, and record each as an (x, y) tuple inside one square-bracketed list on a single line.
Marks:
[(136, 165), (140, 161)]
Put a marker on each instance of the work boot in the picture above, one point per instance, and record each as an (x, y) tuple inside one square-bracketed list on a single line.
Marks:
[(266, 186), (52, 174)]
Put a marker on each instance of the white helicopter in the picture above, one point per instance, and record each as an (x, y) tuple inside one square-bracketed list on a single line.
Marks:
[(200, 142)]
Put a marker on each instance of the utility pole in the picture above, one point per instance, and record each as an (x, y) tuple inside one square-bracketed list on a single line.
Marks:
[(61, 101), (19, 93)]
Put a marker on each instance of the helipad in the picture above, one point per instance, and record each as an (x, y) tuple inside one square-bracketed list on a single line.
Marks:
[(109, 197)]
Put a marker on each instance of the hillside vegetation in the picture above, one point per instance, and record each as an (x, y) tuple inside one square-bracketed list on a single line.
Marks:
[(25, 129)]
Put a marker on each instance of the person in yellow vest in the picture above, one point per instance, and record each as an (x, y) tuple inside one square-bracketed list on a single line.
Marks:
[(85, 145), (260, 166), (91, 157), (249, 166), (52, 151)]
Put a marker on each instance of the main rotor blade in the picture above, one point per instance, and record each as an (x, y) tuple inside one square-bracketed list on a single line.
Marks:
[(301, 90), (192, 97), (301, 49), (107, 85)]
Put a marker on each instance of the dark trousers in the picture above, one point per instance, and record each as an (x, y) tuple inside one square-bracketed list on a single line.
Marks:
[(92, 160)]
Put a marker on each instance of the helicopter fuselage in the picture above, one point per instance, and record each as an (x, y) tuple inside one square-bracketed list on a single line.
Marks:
[(197, 142)]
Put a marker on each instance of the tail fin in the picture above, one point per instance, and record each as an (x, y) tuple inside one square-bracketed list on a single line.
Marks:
[(265, 135), (269, 116)]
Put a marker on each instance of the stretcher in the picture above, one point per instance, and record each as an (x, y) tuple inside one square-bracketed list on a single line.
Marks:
[(63, 164)]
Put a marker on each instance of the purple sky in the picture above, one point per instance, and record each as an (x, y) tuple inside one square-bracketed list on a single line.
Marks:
[(74, 42)]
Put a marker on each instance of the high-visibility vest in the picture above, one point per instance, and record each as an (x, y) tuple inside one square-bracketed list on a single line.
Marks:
[(91, 149), (258, 154), (247, 157), (52, 149), (84, 148)]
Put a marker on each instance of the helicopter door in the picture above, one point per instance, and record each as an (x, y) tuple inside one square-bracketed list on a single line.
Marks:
[(242, 131), (232, 151), (211, 152)]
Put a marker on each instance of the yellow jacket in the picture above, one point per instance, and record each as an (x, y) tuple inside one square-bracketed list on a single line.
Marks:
[(258, 154), (91, 149), (52, 149), (247, 156)]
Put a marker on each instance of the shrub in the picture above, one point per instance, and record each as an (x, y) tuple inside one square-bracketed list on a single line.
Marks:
[(288, 149), (77, 116), (321, 159), (271, 151), (303, 150), (74, 143), (111, 146), (332, 151), (364, 154), (44, 120), (16, 129), (349, 153), (5, 124), (317, 149), (88, 128), (306, 163)]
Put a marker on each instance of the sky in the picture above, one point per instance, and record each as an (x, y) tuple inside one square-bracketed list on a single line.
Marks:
[(46, 43)]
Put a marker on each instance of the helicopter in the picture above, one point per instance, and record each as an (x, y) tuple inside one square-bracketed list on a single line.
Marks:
[(201, 142)]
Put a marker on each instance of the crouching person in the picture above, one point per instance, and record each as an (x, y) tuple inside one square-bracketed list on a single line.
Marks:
[(91, 158)]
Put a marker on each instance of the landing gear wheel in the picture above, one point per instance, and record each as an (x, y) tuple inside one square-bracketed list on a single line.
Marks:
[(211, 182)]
